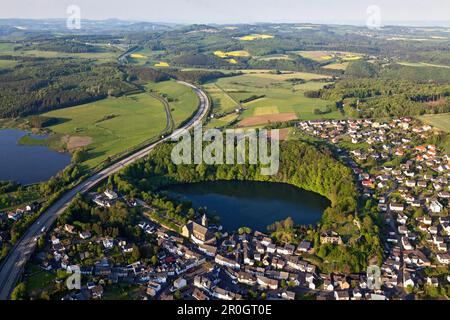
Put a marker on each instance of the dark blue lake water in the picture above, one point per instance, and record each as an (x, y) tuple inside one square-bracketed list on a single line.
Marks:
[(28, 164), (253, 204)]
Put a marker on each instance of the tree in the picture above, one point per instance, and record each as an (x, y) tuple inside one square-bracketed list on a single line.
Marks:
[(136, 254), (45, 296), (418, 213), (19, 292), (79, 156), (409, 289), (41, 242)]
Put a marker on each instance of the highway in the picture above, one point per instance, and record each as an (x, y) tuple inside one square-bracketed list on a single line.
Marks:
[(13, 265)]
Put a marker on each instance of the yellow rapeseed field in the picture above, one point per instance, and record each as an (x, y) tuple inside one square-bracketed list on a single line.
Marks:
[(239, 53), (350, 57), (256, 37), (137, 56), (220, 54), (162, 64)]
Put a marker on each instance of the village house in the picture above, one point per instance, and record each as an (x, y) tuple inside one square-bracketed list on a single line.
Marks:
[(223, 261), (330, 237), (111, 195), (85, 235), (265, 282), (396, 207)]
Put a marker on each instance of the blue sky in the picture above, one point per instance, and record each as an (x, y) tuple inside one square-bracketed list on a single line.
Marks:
[(233, 11)]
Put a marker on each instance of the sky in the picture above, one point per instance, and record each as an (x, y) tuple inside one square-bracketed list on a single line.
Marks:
[(233, 11)]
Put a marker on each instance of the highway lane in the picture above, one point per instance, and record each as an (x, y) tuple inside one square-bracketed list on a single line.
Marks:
[(12, 267)]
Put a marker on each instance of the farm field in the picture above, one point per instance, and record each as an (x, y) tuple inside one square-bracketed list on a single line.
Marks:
[(440, 121), (329, 56), (7, 64), (146, 56), (253, 37), (221, 101), (278, 100), (223, 121), (337, 66), (182, 100), (110, 126), (274, 57), (6, 47), (162, 64), (239, 53), (100, 56), (422, 64)]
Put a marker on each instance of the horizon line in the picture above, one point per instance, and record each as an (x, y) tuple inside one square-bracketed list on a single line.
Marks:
[(399, 23)]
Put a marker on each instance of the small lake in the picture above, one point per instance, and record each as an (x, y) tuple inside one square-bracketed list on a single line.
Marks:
[(253, 204), (28, 164)]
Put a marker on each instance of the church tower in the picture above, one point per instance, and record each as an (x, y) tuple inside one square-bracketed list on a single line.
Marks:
[(204, 221)]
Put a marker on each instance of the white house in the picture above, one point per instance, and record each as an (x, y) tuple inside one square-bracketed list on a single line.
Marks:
[(436, 206), (111, 195), (443, 258), (396, 207), (180, 283)]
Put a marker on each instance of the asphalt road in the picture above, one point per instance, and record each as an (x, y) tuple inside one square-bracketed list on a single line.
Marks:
[(13, 265)]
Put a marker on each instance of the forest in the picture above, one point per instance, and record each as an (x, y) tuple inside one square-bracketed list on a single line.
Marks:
[(378, 97), (41, 85)]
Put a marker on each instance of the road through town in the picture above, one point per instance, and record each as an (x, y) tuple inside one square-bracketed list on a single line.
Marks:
[(13, 265)]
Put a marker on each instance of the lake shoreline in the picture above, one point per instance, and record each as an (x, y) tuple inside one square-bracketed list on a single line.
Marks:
[(29, 163), (268, 202)]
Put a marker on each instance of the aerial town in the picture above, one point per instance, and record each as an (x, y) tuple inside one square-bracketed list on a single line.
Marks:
[(204, 262), (233, 158)]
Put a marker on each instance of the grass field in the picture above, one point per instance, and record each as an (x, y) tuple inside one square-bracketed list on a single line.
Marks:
[(221, 101), (223, 121), (100, 56), (440, 121), (337, 66), (39, 280), (262, 111), (6, 47), (274, 57), (4, 64), (146, 56), (183, 101), (422, 64), (110, 126), (282, 101), (121, 292), (319, 56)]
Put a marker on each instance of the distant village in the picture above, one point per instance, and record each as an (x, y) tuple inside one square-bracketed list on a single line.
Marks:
[(201, 261)]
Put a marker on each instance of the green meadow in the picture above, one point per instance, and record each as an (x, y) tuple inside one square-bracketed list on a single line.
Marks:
[(440, 121), (4, 64), (110, 126), (182, 100), (282, 94)]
